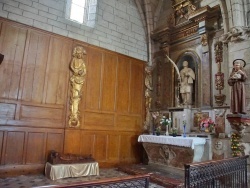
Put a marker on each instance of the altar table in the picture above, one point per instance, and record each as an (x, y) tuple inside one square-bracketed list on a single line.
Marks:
[(173, 151), (60, 171), (178, 141)]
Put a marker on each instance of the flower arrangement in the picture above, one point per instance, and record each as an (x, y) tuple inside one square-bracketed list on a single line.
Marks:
[(207, 123), (165, 121)]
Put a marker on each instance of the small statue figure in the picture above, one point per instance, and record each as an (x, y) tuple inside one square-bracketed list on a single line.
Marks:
[(186, 87), (236, 81)]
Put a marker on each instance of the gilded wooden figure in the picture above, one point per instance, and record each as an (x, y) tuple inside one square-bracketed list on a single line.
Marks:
[(77, 80)]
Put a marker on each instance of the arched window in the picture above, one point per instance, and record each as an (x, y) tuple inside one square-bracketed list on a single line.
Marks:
[(82, 11)]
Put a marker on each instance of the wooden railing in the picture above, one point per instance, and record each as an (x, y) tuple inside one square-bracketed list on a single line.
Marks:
[(226, 173), (136, 181)]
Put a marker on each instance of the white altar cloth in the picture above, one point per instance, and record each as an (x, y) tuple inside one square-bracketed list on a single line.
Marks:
[(177, 141)]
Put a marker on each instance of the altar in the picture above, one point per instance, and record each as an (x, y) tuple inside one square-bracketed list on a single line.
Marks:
[(173, 151)]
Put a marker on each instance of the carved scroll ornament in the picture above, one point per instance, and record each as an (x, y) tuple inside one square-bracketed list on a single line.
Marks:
[(77, 80)]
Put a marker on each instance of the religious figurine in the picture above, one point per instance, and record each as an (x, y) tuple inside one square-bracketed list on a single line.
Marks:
[(78, 68), (236, 81), (186, 87)]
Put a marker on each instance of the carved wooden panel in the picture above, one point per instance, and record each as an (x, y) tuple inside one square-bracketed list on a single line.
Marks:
[(12, 44)]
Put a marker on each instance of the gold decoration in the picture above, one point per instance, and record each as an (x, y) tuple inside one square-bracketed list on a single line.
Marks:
[(204, 39), (77, 80)]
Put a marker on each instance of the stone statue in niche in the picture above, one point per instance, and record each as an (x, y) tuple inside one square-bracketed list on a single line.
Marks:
[(236, 81), (186, 86)]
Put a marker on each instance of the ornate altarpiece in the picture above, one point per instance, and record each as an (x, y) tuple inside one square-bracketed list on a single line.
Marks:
[(180, 40)]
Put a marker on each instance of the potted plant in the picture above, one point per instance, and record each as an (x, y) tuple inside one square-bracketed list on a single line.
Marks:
[(158, 130), (174, 131)]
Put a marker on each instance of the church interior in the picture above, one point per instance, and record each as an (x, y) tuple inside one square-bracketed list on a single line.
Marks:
[(115, 85)]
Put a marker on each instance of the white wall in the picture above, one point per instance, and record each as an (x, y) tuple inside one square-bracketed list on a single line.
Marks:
[(118, 24)]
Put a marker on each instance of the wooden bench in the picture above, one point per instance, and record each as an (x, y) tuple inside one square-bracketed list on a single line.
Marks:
[(136, 181)]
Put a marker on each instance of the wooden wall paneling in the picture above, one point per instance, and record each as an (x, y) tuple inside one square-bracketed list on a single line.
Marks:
[(109, 82), (12, 47), (114, 146), (136, 87), (93, 82), (7, 111), (123, 87), (87, 143), (34, 67), (128, 122), (100, 152), (54, 142), (35, 148), (125, 148), (41, 112), (14, 147), (98, 121), (72, 141), (57, 71)]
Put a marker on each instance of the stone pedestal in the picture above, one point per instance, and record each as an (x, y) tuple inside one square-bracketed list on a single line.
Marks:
[(240, 123)]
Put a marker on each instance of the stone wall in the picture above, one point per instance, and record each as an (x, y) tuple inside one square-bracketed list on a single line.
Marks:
[(118, 26)]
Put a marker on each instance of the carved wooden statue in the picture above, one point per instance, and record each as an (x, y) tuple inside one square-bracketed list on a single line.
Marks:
[(236, 81), (77, 80)]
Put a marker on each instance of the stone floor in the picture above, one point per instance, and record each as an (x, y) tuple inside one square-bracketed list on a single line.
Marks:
[(159, 177)]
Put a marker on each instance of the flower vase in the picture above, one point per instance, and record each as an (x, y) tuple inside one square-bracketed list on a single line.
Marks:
[(184, 130), (167, 130)]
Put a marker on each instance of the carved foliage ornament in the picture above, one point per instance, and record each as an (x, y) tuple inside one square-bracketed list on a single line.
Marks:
[(78, 68)]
